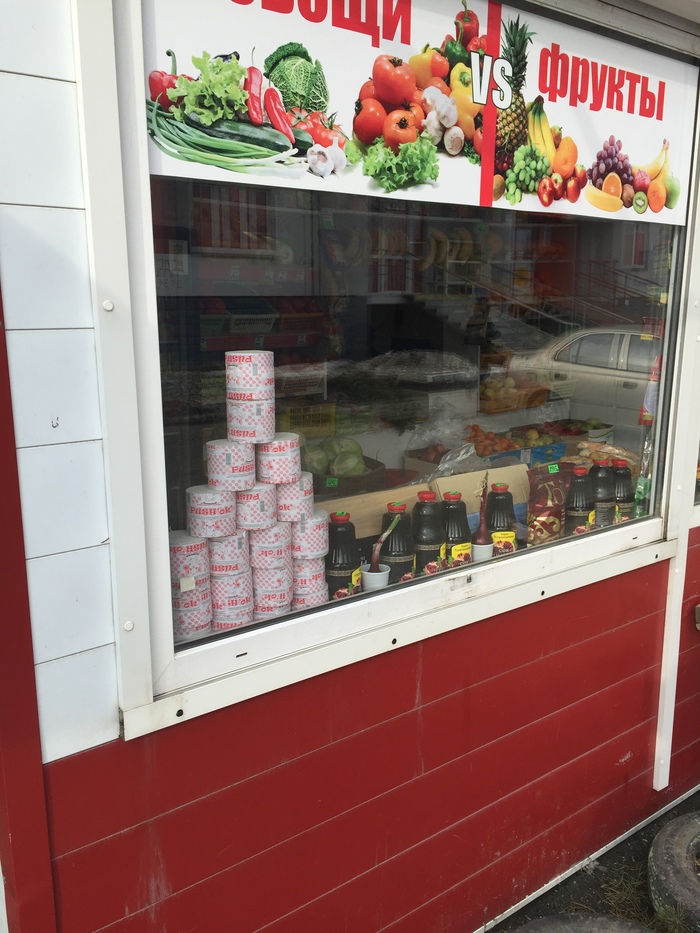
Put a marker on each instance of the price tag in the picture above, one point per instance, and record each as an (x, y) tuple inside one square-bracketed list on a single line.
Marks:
[(553, 468), (187, 584), (258, 342)]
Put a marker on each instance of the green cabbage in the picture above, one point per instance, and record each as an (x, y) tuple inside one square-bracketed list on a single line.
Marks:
[(333, 446), (314, 460), (300, 81), (348, 464)]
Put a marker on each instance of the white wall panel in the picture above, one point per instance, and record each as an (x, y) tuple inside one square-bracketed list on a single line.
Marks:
[(36, 38), (78, 705), (55, 392), (70, 599), (44, 268), (62, 490), (40, 157)]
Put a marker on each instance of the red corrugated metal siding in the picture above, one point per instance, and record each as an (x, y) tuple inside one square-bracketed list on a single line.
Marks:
[(426, 789)]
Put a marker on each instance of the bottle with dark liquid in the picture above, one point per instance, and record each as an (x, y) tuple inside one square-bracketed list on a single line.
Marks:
[(500, 519), (603, 486), (343, 558), (458, 536), (398, 550), (428, 534), (579, 503), (624, 491)]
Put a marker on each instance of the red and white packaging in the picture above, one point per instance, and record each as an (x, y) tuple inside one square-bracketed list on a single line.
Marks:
[(242, 617), (279, 460), (230, 464), (252, 421), (189, 556), (271, 547), (272, 580), (262, 613), (233, 550), (309, 576), (309, 600), (181, 586), (211, 513), (310, 536), (256, 507), (192, 623), (192, 599), (295, 500), (227, 592), (251, 372)]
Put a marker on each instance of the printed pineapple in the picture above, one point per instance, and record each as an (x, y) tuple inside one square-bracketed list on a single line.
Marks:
[(511, 124)]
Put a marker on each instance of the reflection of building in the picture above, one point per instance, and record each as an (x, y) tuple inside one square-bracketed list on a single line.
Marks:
[(381, 763)]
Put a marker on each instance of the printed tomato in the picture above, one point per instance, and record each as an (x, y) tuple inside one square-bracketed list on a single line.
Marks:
[(418, 113), (323, 130), (478, 140), (394, 80), (299, 119), (399, 127), (369, 120), (368, 90)]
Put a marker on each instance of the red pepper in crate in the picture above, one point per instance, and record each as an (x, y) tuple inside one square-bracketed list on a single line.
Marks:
[(253, 85), (159, 82), (276, 113)]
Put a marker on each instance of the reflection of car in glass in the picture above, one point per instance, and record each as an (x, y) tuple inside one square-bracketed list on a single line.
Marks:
[(603, 371)]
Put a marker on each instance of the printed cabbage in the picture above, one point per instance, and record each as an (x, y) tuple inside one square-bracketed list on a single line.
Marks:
[(300, 81)]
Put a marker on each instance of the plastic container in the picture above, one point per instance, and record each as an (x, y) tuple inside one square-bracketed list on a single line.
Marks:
[(624, 491), (458, 536), (579, 503), (500, 520), (398, 551), (428, 534), (603, 487), (343, 558)]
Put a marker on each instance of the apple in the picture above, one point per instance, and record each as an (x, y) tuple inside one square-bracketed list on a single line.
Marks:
[(558, 185), (545, 191), (573, 189), (673, 190), (641, 180), (581, 175)]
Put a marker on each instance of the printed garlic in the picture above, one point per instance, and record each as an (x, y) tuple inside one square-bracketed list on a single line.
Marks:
[(430, 96), (453, 140), (320, 160), (446, 110), (337, 155), (433, 127)]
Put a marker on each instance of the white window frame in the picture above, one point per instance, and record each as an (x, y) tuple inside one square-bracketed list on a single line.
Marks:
[(160, 687)]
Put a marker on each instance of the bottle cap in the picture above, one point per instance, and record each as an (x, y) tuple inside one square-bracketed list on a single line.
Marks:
[(339, 518), (602, 462), (580, 471), (396, 506), (426, 496), (499, 487), (452, 496), (619, 462)]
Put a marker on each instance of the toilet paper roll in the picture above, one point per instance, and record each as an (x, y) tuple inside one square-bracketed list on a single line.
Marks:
[(295, 500), (310, 536), (211, 513), (230, 464), (256, 507)]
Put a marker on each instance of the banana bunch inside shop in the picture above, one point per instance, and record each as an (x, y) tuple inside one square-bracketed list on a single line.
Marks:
[(349, 379)]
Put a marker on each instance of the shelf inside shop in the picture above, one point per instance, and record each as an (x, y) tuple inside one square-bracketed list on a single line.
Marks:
[(259, 341)]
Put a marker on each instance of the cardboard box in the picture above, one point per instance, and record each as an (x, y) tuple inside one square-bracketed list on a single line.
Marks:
[(534, 456), (469, 484), (366, 511), (412, 461), (464, 401)]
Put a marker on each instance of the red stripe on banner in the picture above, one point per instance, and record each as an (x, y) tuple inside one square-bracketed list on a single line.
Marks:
[(488, 149)]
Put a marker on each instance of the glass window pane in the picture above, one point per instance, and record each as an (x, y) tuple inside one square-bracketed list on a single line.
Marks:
[(413, 347)]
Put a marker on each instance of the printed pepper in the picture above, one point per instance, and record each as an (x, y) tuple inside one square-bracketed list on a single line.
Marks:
[(461, 89), (276, 113), (427, 64), (253, 85), (453, 49), (478, 44), (469, 22), (160, 82)]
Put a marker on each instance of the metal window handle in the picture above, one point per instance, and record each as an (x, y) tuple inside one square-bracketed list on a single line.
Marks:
[(629, 385)]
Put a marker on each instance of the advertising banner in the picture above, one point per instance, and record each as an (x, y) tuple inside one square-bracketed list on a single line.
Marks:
[(475, 103)]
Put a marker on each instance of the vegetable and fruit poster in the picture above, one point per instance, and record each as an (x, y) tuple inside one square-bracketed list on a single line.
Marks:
[(456, 101)]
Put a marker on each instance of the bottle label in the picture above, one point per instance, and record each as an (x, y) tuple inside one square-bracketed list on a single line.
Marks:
[(429, 558), (624, 511), (342, 583), (603, 514), (503, 543), (460, 553), (400, 567), (577, 521)]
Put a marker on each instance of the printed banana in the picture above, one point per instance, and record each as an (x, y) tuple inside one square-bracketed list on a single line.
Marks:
[(654, 167), (467, 247), (531, 125), (666, 167), (443, 245), (601, 199), (546, 133)]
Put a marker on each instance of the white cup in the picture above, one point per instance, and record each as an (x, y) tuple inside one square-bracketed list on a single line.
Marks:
[(374, 581)]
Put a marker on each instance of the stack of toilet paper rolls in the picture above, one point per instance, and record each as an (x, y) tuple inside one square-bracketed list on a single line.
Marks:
[(254, 526)]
